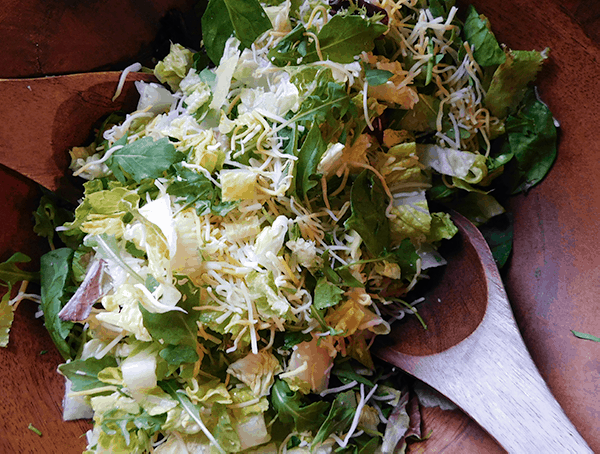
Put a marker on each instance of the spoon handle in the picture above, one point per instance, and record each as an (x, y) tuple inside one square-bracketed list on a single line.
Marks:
[(499, 386), (491, 376)]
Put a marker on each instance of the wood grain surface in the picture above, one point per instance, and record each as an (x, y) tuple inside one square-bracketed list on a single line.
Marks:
[(49, 37), (64, 110), (489, 372), (553, 279)]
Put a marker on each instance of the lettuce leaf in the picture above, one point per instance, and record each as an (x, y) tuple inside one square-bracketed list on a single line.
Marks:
[(339, 418), (510, 80), (175, 327), (477, 33), (326, 294), (531, 139), (340, 40), (55, 276), (245, 20), (368, 205), (144, 158), (295, 410), (309, 157), (84, 373), (585, 336)]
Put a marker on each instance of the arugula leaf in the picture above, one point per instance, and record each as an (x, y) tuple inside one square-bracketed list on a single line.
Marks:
[(48, 216), (294, 338), (405, 255), (293, 409), (344, 371), (340, 40), (10, 273), (377, 76), (441, 8), (368, 205), (108, 249), (175, 327), (326, 294), (339, 418), (175, 355), (585, 336), (144, 158), (477, 32), (171, 387), (328, 102), (423, 116), (117, 420), (83, 373), (498, 233), (345, 36), (246, 20), (310, 154), (199, 192), (286, 51), (55, 275), (532, 136), (510, 80)]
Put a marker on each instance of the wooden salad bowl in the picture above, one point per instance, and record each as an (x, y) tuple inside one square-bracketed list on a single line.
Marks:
[(552, 279)]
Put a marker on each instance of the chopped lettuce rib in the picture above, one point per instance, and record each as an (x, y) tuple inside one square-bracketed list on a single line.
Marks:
[(248, 232)]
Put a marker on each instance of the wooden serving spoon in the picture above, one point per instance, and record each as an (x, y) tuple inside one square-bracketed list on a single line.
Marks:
[(473, 353), (42, 118)]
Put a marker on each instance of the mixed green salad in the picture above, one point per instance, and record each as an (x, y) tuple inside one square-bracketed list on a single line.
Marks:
[(247, 232)]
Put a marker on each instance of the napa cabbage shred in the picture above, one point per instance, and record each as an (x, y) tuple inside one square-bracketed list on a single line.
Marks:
[(265, 214)]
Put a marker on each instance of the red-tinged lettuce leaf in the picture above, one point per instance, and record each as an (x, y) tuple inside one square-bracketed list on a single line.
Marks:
[(89, 292), (477, 33), (510, 80), (397, 426)]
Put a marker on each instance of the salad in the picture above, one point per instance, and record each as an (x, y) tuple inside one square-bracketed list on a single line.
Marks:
[(266, 212)]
